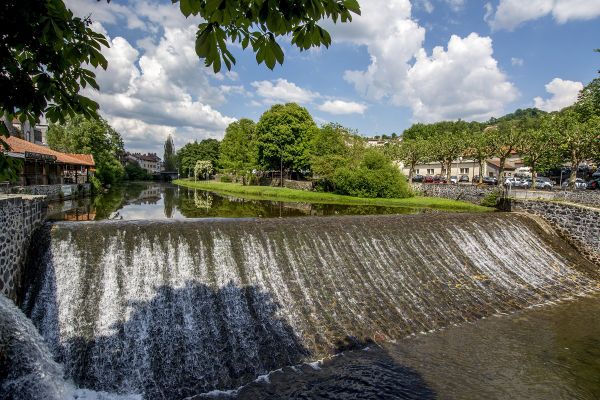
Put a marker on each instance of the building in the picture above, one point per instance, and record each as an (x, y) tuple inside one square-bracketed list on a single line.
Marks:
[(44, 166), (23, 130), (469, 167), (150, 162)]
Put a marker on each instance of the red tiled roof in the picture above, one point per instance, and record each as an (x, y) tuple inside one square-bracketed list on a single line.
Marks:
[(496, 163), (21, 146)]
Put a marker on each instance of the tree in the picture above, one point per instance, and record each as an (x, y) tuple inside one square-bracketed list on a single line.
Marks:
[(448, 143), (90, 136), (588, 101), (283, 136), (203, 168), (169, 156), (539, 146), (207, 149), (133, 172), (410, 152), (479, 148), (259, 23), (505, 137), (43, 48), (238, 148), (578, 140)]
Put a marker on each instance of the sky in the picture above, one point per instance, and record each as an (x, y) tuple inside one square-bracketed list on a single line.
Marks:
[(399, 63)]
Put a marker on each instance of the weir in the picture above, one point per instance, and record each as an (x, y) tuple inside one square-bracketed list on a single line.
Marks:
[(174, 309)]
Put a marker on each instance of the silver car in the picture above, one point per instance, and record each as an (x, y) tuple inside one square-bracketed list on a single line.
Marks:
[(579, 184)]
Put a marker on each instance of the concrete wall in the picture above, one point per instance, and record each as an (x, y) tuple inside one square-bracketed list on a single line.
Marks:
[(20, 216), (470, 193), (579, 224), (54, 192)]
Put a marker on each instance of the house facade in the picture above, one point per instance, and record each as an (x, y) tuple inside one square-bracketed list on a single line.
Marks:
[(150, 162)]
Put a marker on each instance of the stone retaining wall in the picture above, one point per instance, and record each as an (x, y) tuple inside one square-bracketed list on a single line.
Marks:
[(20, 216), (54, 192), (579, 224), (586, 197), (471, 193)]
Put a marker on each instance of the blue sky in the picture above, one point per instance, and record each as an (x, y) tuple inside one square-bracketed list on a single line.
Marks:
[(400, 62)]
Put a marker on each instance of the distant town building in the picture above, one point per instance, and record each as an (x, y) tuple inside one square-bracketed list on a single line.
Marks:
[(150, 162)]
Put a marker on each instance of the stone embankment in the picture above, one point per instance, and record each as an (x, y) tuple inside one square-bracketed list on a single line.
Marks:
[(54, 192), (20, 216), (471, 193), (579, 224)]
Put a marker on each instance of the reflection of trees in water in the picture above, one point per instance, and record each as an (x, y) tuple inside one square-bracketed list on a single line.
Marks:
[(203, 199), (169, 198)]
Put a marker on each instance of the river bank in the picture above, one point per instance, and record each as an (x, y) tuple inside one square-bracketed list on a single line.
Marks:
[(293, 195)]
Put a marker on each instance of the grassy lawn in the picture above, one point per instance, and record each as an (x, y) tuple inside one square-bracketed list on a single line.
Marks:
[(293, 195)]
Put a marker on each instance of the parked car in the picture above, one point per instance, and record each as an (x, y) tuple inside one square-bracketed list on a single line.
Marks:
[(418, 178), (594, 184), (454, 179), (596, 175), (543, 183), (463, 178), (490, 180), (513, 182), (439, 179), (428, 179), (579, 184)]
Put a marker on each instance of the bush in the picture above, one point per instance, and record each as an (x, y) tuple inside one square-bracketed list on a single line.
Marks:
[(491, 199), (226, 178), (364, 182), (133, 172)]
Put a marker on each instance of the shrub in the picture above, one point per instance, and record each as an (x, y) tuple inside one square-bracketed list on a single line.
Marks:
[(386, 182), (491, 199), (226, 178)]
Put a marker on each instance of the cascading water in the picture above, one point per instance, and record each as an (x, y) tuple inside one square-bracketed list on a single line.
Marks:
[(174, 309)]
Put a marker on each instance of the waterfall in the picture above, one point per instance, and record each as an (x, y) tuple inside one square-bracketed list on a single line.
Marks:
[(173, 309)]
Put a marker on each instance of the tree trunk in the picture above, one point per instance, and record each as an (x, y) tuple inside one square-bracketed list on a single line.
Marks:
[(573, 176), (480, 179), (411, 173), (501, 170), (448, 171), (533, 175)]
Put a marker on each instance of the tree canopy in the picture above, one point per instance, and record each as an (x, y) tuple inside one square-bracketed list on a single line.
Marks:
[(169, 156), (90, 136), (283, 136), (238, 147), (188, 155), (259, 23)]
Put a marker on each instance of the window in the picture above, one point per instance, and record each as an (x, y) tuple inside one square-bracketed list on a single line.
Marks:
[(417, 171), (491, 174), (430, 171), (464, 170)]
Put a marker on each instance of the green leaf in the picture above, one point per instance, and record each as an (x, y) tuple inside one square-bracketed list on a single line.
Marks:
[(353, 6), (186, 7)]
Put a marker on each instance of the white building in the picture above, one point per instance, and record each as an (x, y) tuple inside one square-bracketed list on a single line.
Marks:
[(150, 162)]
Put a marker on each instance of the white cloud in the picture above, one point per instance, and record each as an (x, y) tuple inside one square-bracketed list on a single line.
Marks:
[(564, 93), (462, 82), (340, 107), (282, 91), (516, 61), (511, 13)]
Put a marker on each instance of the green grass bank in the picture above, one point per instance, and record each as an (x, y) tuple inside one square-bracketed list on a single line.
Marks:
[(293, 195)]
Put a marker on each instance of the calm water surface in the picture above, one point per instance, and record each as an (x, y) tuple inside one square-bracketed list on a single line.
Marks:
[(151, 200), (546, 353)]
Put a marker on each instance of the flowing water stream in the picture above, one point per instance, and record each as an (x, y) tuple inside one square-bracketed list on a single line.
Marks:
[(168, 310)]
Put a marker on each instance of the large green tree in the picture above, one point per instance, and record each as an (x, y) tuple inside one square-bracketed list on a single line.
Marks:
[(283, 137), (188, 155), (90, 136), (479, 147), (259, 24), (539, 146), (410, 152), (449, 142), (169, 156), (238, 147), (579, 139), (505, 138)]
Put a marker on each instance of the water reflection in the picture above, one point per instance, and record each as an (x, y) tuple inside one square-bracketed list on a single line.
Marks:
[(151, 200)]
